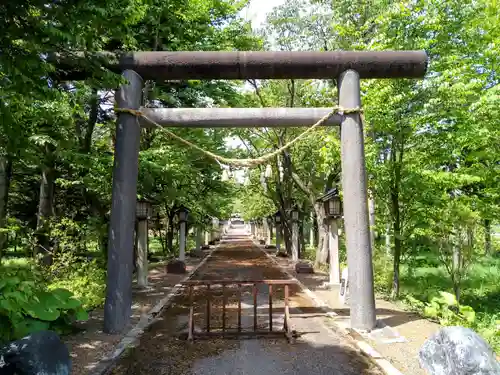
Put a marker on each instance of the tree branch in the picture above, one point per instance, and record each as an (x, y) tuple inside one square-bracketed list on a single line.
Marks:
[(253, 82)]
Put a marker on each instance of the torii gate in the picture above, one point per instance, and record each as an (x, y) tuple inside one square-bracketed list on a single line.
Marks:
[(347, 66)]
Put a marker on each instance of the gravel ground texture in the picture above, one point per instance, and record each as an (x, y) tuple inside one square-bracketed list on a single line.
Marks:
[(163, 348)]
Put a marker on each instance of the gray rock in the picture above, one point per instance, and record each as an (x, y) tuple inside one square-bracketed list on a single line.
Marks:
[(40, 353), (458, 351)]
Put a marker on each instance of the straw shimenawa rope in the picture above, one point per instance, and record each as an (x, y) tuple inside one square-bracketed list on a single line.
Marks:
[(243, 162)]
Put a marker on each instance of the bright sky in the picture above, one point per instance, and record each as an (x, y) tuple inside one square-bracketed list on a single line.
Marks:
[(257, 11)]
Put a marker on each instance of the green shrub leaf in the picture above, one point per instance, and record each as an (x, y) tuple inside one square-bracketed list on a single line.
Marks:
[(27, 326), (42, 312), (431, 311), (468, 313), (448, 299), (81, 315)]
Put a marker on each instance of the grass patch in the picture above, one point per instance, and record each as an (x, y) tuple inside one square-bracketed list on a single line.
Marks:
[(423, 278)]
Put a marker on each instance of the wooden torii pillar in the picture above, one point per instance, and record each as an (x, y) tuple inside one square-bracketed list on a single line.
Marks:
[(347, 67)]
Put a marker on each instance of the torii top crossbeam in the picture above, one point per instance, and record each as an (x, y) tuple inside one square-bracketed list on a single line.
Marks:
[(255, 65)]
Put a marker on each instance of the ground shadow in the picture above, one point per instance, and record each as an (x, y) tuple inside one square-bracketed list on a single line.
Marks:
[(162, 352)]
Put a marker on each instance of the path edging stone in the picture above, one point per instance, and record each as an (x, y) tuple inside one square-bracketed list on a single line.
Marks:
[(385, 365), (131, 338)]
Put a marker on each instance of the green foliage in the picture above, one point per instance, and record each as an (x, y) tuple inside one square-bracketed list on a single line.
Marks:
[(382, 273), (86, 279), (27, 305), (444, 309), (253, 202), (447, 311)]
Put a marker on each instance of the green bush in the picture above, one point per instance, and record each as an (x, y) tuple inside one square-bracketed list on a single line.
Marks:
[(86, 279), (382, 273), (445, 310), (27, 305)]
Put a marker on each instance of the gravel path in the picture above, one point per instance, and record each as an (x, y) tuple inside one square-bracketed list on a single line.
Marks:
[(316, 351)]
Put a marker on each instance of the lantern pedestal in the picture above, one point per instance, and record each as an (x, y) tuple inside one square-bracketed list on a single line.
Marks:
[(196, 253), (304, 267), (206, 242), (176, 266), (333, 245)]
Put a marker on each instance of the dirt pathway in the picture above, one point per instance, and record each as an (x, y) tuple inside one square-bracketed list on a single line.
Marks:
[(88, 347), (163, 350)]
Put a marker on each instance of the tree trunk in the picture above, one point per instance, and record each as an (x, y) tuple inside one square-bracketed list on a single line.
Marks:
[(45, 208), (396, 217), (93, 115), (287, 236), (312, 238), (5, 176), (371, 209), (322, 249), (487, 236), (469, 249), (388, 239), (316, 233), (170, 234), (397, 255), (457, 269), (302, 240), (104, 240)]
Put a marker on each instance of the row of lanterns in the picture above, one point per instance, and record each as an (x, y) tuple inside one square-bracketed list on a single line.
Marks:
[(331, 203), (144, 211), (332, 206)]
